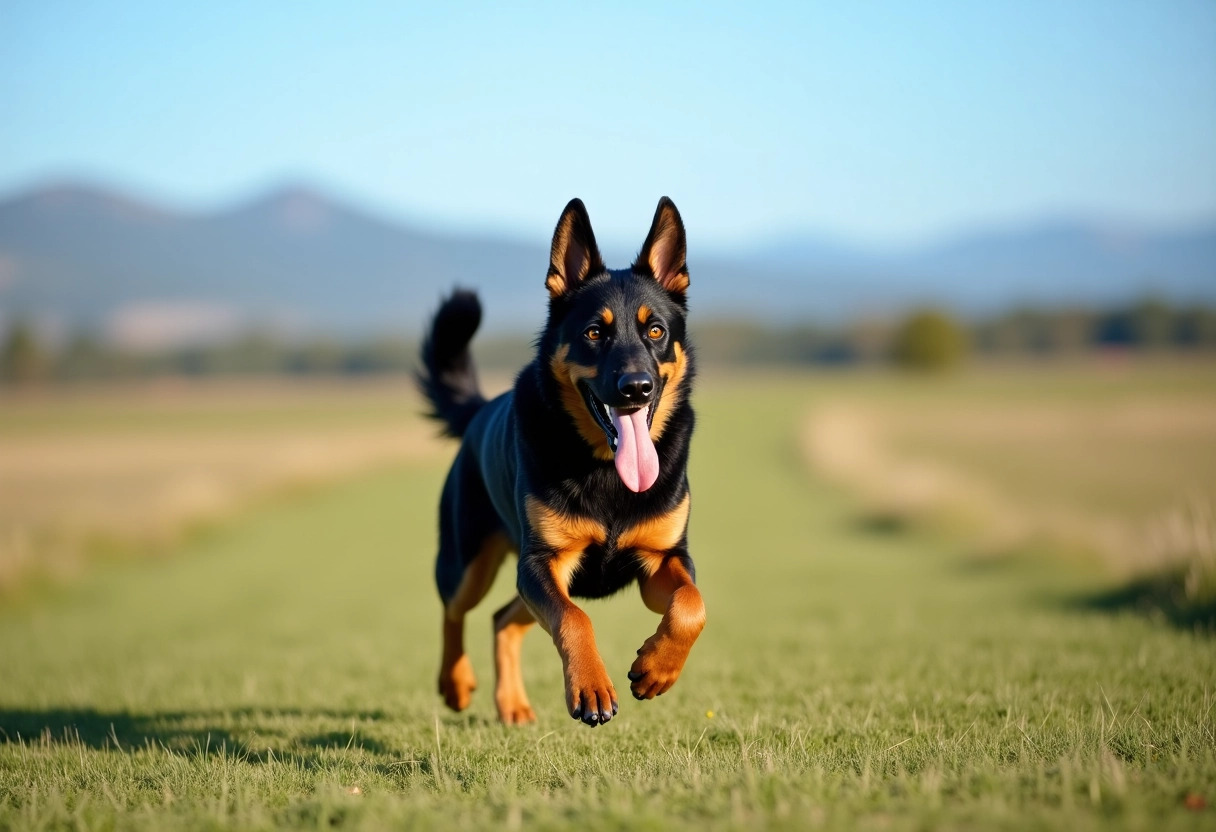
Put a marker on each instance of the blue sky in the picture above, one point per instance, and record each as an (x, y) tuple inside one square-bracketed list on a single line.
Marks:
[(876, 122)]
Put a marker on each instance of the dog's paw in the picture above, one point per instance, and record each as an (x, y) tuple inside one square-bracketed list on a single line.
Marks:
[(516, 712), (457, 683), (657, 666), (513, 705), (590, 695)]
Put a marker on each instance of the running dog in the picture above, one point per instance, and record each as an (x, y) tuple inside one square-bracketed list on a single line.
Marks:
[(581, 469)]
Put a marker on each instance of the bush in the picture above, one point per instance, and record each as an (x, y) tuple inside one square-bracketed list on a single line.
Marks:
[(929, 340), (21, 357)]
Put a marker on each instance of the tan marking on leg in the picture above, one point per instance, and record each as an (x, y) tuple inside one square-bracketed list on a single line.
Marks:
[(456, 678), (478, 576), (669, 590), (589, 688), (510, 624)]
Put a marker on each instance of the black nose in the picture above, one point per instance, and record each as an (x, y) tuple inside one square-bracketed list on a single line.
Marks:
[(637, 387)]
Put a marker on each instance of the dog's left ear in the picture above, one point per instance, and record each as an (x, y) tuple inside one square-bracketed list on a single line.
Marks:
[(664, 251)]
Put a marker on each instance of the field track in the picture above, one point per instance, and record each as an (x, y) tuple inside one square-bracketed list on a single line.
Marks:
[(279, 671)]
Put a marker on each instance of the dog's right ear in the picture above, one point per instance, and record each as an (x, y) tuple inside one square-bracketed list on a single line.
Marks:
[(574, 254)]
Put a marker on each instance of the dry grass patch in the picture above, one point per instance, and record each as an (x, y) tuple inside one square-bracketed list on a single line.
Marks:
[(1129, 477), (136, 467)]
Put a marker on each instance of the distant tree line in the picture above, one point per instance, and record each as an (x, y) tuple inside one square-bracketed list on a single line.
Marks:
[(1149, 324), (923, 339), (25, 358), (935, 339)]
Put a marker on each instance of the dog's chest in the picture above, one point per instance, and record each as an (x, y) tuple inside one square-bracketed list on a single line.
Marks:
[(597, 558), (571, 533)]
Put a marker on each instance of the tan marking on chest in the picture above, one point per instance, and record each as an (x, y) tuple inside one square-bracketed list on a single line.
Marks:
[(562, 532), (649, 561), (567, 374), (654, 537), (562, 567), (567, 535)]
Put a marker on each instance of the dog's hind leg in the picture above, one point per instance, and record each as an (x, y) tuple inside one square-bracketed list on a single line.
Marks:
[(456, 679), (510, 624)]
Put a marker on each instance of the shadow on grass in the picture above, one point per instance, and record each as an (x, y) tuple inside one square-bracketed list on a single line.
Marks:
[(193, 733), (1159, 597)]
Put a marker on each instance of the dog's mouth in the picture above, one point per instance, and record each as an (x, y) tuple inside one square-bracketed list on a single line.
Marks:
[(628, 434)]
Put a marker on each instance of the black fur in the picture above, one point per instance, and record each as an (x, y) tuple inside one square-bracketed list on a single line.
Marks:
[(449, 380)]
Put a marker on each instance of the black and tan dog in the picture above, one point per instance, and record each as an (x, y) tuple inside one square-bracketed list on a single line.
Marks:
[(581, 469)]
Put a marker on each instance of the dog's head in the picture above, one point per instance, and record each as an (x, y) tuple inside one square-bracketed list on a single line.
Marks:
[(615, 340)]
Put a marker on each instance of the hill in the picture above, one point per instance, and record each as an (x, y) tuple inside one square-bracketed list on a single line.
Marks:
[(298, 260)]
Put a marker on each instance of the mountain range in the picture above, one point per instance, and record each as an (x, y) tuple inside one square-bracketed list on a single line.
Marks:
[(298, 260)]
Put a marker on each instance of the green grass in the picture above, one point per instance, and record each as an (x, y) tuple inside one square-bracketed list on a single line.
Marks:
[(858, 677)]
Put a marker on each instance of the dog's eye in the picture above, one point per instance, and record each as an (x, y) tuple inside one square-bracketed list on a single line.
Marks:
[(592, 333), (655, 332)]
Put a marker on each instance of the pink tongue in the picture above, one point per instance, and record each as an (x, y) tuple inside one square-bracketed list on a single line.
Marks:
[(637, 462)]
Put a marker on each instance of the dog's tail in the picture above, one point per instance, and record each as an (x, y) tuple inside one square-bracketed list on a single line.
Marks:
[(447, 378)]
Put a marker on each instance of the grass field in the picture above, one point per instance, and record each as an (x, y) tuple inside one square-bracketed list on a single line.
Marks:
[(278, 671)]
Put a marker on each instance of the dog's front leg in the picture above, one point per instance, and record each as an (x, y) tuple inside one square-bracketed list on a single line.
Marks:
[(544, 579), (670, 591)]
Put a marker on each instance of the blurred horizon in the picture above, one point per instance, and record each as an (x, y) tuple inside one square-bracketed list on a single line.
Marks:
[(296, 265)]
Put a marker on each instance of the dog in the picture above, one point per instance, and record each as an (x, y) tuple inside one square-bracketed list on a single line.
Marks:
[(580, 469)]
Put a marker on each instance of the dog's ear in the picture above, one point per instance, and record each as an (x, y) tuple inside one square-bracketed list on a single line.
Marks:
[(664, 251), (574, 254)]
